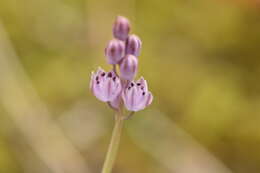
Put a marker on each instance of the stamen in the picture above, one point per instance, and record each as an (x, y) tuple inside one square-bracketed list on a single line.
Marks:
[(138, 84), (109, 74), (129, 88), (114, 78), (142, 87), (132, 84), (143, 93), (103, 74), (97, 78), (113, 50), (98, 82)]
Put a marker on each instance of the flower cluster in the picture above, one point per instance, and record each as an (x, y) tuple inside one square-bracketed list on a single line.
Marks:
[(121, 89)]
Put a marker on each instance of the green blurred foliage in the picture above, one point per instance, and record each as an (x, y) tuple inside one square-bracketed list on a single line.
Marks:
[(201, 59)]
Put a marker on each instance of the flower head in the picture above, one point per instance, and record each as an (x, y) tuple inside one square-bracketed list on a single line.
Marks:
[(120, 90), (136, 96), (106, 86)]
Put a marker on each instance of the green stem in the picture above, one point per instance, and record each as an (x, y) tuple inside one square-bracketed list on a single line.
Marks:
[(114, 143)]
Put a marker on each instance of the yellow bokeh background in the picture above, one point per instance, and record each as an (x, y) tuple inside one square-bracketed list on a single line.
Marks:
[(202, 63)]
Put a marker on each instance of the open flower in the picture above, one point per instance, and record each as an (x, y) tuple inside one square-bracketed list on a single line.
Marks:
[(136, 96), (106, 86)]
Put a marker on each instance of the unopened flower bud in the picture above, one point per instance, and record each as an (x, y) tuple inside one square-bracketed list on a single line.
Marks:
[(115, 51), (128, 67), (121, 28), (133, 45)]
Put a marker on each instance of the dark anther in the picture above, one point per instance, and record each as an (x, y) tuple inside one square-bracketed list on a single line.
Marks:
[(138, 84), (129, 88), (98, 82), (142, 87), (103, 74), (143, 93), (113, 49), (97, 78), (132, 84), (114, 78), (109, 74)]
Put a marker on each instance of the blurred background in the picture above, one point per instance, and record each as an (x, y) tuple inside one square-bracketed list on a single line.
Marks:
[(201, 59)]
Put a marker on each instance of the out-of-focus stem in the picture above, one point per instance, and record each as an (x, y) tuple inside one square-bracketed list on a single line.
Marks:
[(114, 144), (31, 117)]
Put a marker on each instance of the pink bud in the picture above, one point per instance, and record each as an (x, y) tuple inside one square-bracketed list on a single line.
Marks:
[(136, 96), (106, 86), (128, 67), (115, 51), (121, 28), (133, 45)]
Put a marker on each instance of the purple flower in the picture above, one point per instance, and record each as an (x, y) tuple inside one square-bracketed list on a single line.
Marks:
[(115, 51), (133, 45), (128, 67), (119, 89), (136, 96), (121, 28), (106, 86)]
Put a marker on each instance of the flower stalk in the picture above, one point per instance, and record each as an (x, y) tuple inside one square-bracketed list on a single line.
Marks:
[(114, 143), (120, 90)]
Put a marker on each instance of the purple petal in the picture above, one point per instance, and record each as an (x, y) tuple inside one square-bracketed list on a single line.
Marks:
[(116, 102), (143, 84), (149, 99)]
